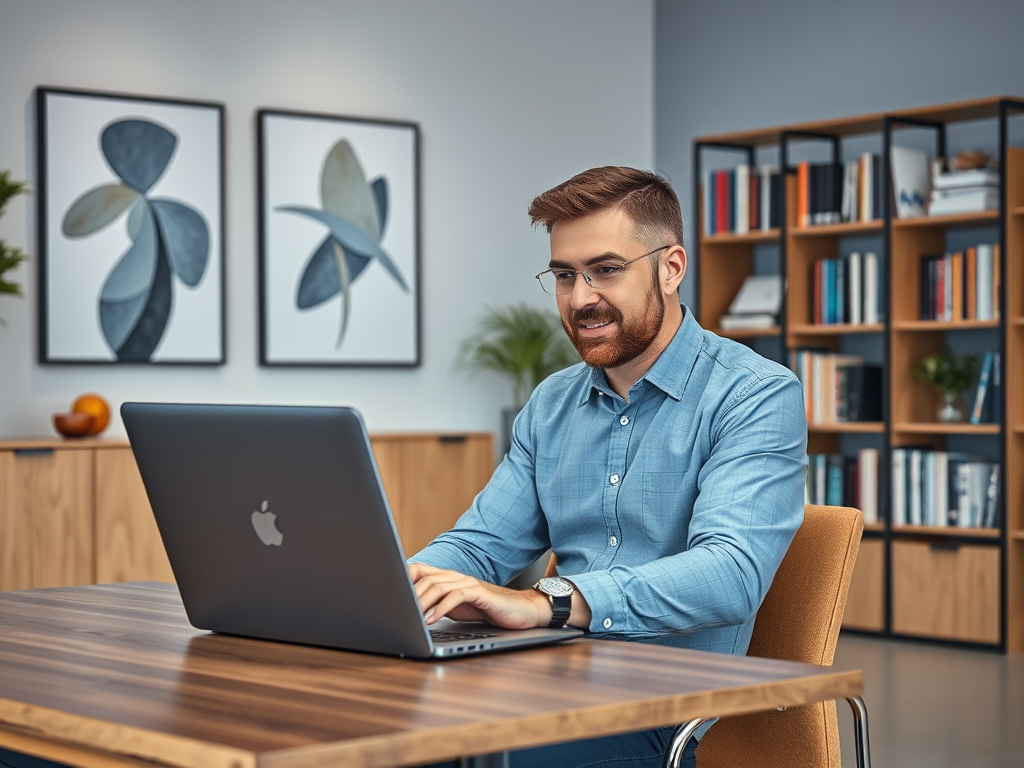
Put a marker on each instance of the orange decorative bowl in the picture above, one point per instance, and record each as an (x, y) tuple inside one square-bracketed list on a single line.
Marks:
[(74, 424)]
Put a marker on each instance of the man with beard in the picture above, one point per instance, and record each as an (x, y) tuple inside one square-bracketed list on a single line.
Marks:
[(665, 471)]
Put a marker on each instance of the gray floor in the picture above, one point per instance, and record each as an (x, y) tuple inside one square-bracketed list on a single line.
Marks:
[(932, 706)]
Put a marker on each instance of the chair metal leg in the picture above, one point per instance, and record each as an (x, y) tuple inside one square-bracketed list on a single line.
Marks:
[(679, 741), (860, 726)]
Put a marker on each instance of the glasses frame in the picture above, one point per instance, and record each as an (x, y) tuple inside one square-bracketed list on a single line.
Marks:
[(586, 274)]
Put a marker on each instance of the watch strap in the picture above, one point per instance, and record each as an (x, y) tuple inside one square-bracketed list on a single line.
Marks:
[(561, 609)]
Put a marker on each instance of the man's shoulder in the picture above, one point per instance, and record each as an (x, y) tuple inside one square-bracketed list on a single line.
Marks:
[(738, 360)]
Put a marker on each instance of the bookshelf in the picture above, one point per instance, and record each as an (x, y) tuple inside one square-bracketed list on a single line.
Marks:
[(947, 583)]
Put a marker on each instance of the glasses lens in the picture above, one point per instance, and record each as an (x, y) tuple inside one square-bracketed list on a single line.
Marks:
[(547, 282)]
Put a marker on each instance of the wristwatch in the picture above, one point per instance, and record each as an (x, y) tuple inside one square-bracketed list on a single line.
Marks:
[(559, 592)]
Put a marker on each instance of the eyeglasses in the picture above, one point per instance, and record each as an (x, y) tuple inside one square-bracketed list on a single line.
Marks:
[(559, 282)]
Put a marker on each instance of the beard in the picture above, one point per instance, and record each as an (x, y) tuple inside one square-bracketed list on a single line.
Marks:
[(633, 338)]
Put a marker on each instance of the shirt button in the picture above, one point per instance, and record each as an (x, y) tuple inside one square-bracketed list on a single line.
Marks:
[(607, 623), (613, 541), (614, 479), (624, 420)]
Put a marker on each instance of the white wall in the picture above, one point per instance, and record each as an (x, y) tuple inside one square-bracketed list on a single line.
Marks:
[(733, 65), (511, 97)]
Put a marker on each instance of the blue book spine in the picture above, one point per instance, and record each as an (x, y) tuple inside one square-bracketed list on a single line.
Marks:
[(980, 394)]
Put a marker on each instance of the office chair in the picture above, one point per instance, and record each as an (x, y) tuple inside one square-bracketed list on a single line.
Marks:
[(799, 620)]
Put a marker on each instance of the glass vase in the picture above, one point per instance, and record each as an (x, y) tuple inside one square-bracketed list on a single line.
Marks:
[(950, 412)]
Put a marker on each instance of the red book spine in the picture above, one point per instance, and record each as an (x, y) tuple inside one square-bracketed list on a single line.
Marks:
[(722, 201)]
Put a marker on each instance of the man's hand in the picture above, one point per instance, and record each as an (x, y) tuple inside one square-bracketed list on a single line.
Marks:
[(463, 598)]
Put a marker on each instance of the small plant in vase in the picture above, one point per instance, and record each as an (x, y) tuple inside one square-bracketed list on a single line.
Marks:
[(950, 374), (522, 344)]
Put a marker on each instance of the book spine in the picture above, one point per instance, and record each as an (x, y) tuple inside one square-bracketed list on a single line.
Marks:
[(971, 283), (982, 388), (854, 272), (803, 187), (985, 282), (871, 288)]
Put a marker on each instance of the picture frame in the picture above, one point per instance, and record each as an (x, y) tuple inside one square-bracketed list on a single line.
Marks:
[(339, 240), (131, 229)]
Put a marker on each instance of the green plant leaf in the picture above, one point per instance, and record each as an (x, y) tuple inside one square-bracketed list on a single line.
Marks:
[(521, 343)]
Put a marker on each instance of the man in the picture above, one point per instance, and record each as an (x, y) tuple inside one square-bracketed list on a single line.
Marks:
[(666, 471)]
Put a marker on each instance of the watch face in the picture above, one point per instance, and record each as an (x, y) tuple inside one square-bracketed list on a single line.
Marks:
[(555, 586)]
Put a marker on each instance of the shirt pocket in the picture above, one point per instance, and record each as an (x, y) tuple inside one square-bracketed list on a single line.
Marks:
[(666, 506)]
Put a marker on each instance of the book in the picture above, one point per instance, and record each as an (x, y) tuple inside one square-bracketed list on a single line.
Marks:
[(737, 322), (871, 289), (864, 392), (990, 518), (982, 388), (867, 484), (986, 281), (973, 202), (971, 177), (854, 272), (759, 294), (909, 181)]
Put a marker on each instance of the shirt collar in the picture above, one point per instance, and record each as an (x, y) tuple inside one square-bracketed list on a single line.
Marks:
[(672, 368)]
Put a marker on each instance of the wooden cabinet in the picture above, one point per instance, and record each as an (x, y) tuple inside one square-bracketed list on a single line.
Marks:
[(76, 512), (936, 580), (430, 480), (945, 590), (46, 533), (865, 604)]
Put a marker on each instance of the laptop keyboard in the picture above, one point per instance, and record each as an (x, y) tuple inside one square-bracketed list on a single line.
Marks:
[(447, 635)]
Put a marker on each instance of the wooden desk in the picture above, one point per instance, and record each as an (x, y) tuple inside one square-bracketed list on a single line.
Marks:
[(114, 675)]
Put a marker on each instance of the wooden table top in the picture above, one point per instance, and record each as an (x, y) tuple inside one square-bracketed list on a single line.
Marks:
[(114, 674)]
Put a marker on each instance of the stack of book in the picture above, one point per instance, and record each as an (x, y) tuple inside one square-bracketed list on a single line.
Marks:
[(844, 481), (987, 402), (829, 193), (943, 489), (741, 199), (757, 304), (962, 285), (846, 290), (969, 191), (838, 388)]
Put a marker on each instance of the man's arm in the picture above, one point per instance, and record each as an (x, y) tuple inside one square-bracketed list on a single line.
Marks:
[(748, 507)]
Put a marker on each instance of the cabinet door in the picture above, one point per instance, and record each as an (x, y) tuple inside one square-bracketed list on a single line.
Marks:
[(947, 592), (45, 518), (128, 544), (865, 604), (431, 480)]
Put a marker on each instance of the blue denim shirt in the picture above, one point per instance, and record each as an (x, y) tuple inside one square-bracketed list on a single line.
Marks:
[(670, 513)]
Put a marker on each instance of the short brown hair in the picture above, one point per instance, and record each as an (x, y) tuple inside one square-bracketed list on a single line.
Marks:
[(647, 198)]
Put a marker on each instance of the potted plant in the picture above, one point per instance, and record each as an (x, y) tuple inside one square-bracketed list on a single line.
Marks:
[(523, 345), (950, 374), (10, 257)]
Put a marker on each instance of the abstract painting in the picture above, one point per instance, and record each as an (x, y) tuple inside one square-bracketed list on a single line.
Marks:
[(339, 240), (130, 229)]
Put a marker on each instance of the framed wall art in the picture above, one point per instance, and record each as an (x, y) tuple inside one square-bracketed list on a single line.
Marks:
[(339, 240), (131, 229)]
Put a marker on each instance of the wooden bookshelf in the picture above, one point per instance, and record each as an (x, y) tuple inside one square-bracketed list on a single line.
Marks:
[(747, 333), (957, 584), (947, 530)]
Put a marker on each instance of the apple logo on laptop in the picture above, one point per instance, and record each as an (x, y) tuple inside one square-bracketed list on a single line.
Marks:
[(263, 522)]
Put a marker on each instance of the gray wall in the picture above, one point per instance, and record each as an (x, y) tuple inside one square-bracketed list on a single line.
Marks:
[(511, 98), (731, 65)]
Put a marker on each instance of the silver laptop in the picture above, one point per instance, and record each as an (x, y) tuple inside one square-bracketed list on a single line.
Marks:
[(276, 526)]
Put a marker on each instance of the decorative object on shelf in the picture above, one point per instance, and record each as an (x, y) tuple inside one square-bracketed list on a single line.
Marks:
[(95, 405), (339, 240), (520, 343), (150, 291), (951, 374), (10, 257), (909, 181), (74, 424)]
